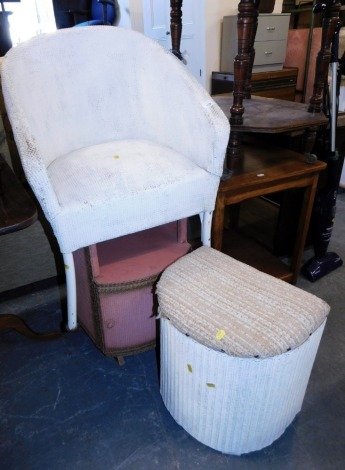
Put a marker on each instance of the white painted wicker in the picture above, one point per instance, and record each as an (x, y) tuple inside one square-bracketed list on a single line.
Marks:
[(113, 141), (237, 350), (232, 404), (114, 134)]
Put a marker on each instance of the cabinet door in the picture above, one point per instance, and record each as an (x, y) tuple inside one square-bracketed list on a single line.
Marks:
[(156, 15), (157, 21)]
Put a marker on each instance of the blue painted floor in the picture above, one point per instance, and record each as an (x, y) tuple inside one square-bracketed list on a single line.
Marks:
[(64, 405)]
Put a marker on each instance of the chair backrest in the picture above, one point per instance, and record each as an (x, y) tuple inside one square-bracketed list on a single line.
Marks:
[(84, 86)]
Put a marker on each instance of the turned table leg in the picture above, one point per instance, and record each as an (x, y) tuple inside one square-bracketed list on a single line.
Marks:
[(218, 224), (176, 27), (246, 30)]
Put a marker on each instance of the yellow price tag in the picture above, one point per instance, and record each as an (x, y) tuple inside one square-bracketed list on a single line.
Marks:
[(220, 335)]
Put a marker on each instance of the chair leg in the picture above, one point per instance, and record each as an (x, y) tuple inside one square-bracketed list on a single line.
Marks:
[(206, 223), (71, 291)]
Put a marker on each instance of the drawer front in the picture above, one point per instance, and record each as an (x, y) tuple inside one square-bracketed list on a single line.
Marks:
[(270, 52), (272, 27)]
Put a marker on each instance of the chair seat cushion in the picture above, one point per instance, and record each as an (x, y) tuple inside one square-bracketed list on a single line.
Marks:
[(122, 187), (229, 306)]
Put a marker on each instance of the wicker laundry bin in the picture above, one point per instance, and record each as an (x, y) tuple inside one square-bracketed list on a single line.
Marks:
[(237, 350), (115, 281)]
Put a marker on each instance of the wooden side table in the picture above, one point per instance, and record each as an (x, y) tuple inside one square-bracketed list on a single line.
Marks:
[(266, 170), (272, 115), (257, 170), (17, 211)]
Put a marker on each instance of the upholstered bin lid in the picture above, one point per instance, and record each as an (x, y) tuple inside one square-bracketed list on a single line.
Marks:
[(232, 307)]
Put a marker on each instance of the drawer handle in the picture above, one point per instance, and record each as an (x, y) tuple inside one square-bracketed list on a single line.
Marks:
[(270, 28), (268, 53)]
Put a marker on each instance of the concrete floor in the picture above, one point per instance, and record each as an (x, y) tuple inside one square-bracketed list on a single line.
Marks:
[(64, 405)]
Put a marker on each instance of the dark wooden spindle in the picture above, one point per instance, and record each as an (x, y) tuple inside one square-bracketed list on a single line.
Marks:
[(176, 27), (246, 30)]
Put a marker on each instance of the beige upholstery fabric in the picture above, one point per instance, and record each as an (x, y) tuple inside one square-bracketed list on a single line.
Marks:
[(231, 307)]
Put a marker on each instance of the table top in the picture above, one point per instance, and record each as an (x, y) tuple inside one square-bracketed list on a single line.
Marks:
[(265, 166), (17, 210), (271, 115)]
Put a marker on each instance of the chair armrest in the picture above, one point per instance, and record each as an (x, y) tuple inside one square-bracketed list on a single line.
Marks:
[(31, 158), (187, 118)]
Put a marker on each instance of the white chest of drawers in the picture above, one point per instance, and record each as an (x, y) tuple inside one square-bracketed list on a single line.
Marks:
[(270, 42)]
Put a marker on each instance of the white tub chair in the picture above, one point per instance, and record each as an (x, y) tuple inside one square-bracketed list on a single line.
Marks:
[(114, 134)]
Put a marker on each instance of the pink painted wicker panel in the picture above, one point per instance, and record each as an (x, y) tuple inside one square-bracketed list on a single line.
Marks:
[(84, 301), (117, 314), (127, 318), (139, 255)]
